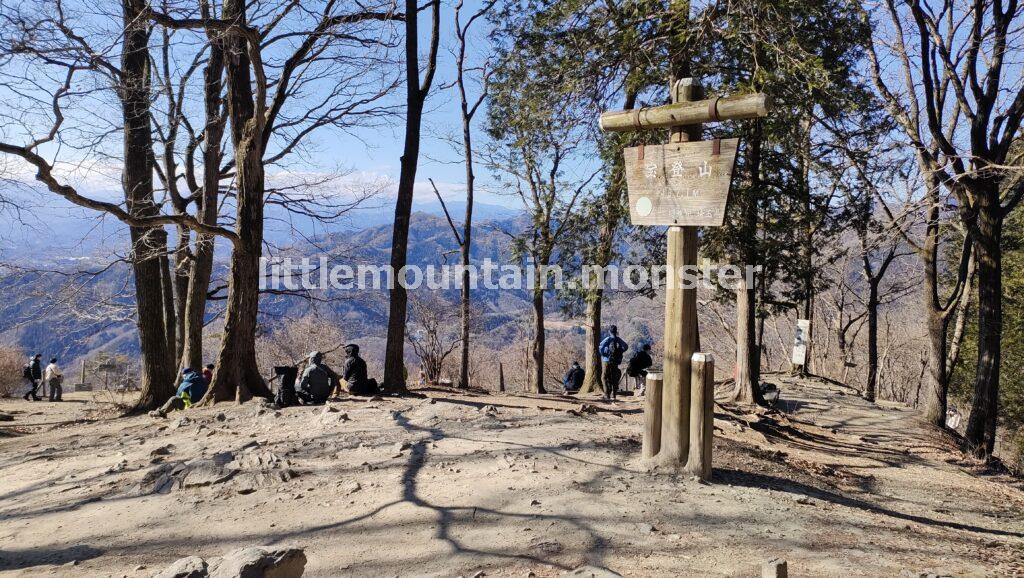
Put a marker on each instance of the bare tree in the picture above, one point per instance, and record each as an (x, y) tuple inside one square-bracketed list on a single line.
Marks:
[(416, 95), (468, 109), (960, 106), (433, 335), (264, 130)]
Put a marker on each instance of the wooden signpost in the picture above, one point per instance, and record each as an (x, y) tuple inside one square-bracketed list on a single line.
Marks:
[(683, 184)]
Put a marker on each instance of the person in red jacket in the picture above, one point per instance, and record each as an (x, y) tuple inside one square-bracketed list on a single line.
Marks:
[(208, 374)]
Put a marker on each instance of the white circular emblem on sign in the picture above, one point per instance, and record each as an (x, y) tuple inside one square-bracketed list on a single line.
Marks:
[(644, 206)]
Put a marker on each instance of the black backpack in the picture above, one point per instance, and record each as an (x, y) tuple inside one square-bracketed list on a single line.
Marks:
[(27, 371), (286, 392)]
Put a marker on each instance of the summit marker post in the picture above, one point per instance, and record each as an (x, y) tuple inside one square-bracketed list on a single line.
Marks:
[(683, 184)]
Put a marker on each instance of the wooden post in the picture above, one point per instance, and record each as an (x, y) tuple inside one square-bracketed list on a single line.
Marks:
[(652, 415), (680, 318), (687, 112), (501, 377), (83, 373), (702, 415)]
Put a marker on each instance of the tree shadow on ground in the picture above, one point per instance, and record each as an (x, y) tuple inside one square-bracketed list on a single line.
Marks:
[(18, 560), (446, 515), (762, 481)]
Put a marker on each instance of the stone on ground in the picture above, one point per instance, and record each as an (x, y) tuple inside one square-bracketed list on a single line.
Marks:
[(260, 563), (191, 567)]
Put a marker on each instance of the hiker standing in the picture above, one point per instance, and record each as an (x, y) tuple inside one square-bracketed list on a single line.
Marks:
[(208, 374), (637, 367), (612, 349), (33, 373), (54, 378), (573, 380)]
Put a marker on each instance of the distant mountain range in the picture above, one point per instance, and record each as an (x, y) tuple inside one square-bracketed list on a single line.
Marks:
[(44, 232), (77, 316)]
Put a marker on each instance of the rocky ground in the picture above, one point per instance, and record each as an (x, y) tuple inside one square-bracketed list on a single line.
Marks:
[(486, 485)]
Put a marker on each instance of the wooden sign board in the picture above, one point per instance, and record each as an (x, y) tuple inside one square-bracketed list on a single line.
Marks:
[(680, 183)]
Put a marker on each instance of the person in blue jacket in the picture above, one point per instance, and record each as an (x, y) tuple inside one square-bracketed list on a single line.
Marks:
[(192, 389), (612, 349), (573, 380)]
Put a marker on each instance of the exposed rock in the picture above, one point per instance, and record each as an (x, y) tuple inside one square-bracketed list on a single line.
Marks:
[(223, 458), (205, 473), (163, 450), (191, 567), (259, 563), (249, 482), (244, 563)]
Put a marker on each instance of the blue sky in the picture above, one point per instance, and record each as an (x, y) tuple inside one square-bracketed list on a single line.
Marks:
[(48, 221)]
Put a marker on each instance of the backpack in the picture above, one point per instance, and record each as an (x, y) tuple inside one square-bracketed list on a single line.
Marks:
[(286, 392), (26, 372), (613, 351)]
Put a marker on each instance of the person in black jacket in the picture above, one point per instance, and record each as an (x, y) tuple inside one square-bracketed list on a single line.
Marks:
[(355, 373), (637, 367), (34, 373)]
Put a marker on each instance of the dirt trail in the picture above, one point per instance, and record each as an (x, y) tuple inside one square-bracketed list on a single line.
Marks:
[(508, 485)]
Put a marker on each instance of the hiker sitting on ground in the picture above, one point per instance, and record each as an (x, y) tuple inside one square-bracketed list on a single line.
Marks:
[(191, 390), (32, 374), (637, 367), (573, 380), (318, 381), (55, 379), (612, 348), (355, 373)]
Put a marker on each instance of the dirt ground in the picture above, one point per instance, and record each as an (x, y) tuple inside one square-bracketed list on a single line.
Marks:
[(459, 484)]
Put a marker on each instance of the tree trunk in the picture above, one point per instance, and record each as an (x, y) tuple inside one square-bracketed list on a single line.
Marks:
[(748, 356), (614, 213), (807, 244), (180, 277), (937, 384), (170, 307), (237, 375), (537, 346), (980, 435), (201, 268), (467, 238), (394, 354), (149, 245), (747, 389), (592, 336), (872, 311)]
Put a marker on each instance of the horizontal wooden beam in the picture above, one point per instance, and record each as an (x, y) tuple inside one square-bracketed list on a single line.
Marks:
[(684, 113)]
